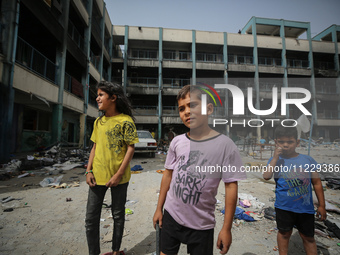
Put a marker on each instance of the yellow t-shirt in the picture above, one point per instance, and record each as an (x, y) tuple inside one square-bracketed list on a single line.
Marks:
[(111, 136)]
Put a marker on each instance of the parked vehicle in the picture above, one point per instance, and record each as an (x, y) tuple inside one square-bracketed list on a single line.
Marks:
[(147, 144)]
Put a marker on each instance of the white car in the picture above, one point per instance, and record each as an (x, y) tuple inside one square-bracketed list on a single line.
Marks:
[(146, 144)]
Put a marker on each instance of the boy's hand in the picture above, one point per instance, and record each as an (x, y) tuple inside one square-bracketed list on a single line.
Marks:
[(321, 213), (277, 152), (114, 181), (90, 180), (224, 241), (157, 217)]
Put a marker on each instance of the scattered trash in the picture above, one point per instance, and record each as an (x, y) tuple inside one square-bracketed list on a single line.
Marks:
[(321, 245), (61, 186), (128, 211), (331, 207), (135, 172), (333, 227), (253, 201), (50, 181), (321, 233), (245, 203), (8, 199), (160, 171), (333, 184), (68, 199), (136, 168), (23, 175), (8, 210), (131, 202), (240, 214), (270, 213)]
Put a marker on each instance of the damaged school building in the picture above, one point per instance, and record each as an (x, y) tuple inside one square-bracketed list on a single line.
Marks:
[(54, 52)]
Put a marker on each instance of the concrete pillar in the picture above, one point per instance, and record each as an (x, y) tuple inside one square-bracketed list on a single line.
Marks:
[(82, 130), (102, 35), (160, 82), (86, 77), (110, 54), (337, 66), (60, 76), (256, 76), (284, 60), (10, 19), (226, 93), (193, 57), (126, 41), (312, 78)]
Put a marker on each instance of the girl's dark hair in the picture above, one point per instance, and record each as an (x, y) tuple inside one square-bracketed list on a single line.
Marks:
[(122, 102)]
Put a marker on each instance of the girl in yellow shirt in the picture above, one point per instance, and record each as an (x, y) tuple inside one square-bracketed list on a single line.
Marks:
[(114, 135)]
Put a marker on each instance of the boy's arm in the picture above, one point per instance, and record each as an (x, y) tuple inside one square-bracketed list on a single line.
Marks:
[(165, 185), (224, 238), (268, 174), (316, 181), (115, 179), (90, 180)]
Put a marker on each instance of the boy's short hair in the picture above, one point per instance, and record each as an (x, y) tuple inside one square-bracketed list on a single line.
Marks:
[(286, 131), (187, 89)]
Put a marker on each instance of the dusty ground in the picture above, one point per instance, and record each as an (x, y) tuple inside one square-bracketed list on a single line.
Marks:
[(42, 222)]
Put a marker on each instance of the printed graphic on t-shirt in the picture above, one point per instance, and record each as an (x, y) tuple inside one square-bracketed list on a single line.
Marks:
[(189, 184), (297, 183), (118, 135)]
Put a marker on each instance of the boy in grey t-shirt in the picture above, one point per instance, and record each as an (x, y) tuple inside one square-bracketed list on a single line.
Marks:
[(195, 164)]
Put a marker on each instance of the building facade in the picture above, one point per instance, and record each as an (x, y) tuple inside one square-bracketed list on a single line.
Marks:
[(53, 53)]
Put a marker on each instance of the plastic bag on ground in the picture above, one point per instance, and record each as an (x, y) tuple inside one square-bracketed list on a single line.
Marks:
[(51, 181)]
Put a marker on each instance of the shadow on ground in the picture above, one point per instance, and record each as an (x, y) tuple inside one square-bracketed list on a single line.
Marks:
[(146, 246)]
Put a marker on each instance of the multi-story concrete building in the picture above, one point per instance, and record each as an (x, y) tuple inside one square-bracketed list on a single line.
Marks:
[(54, 52)]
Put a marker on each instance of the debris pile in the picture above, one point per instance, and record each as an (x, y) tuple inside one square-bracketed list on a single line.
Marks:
[(50, 162)]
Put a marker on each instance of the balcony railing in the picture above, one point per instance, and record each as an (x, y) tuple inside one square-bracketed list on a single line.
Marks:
[(76, 35), (95, 60), (270, 61), (169, 55), (185, 56), (296, 63), (105, 75), (175, 83), (148, 82), (209, 57), (170, 111), (152, 82), (74, 86), (242, 60), (144, 54), (324, 65), (35, 61), (328, 114), (331, 90), (145, 110)]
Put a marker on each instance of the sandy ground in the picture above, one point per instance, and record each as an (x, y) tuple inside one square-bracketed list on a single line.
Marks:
[(43, 222)]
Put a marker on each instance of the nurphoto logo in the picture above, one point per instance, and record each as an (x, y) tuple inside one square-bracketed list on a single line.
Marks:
[(238, 104)]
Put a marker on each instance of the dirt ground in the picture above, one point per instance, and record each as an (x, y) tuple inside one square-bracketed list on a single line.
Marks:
[(43, 222)]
